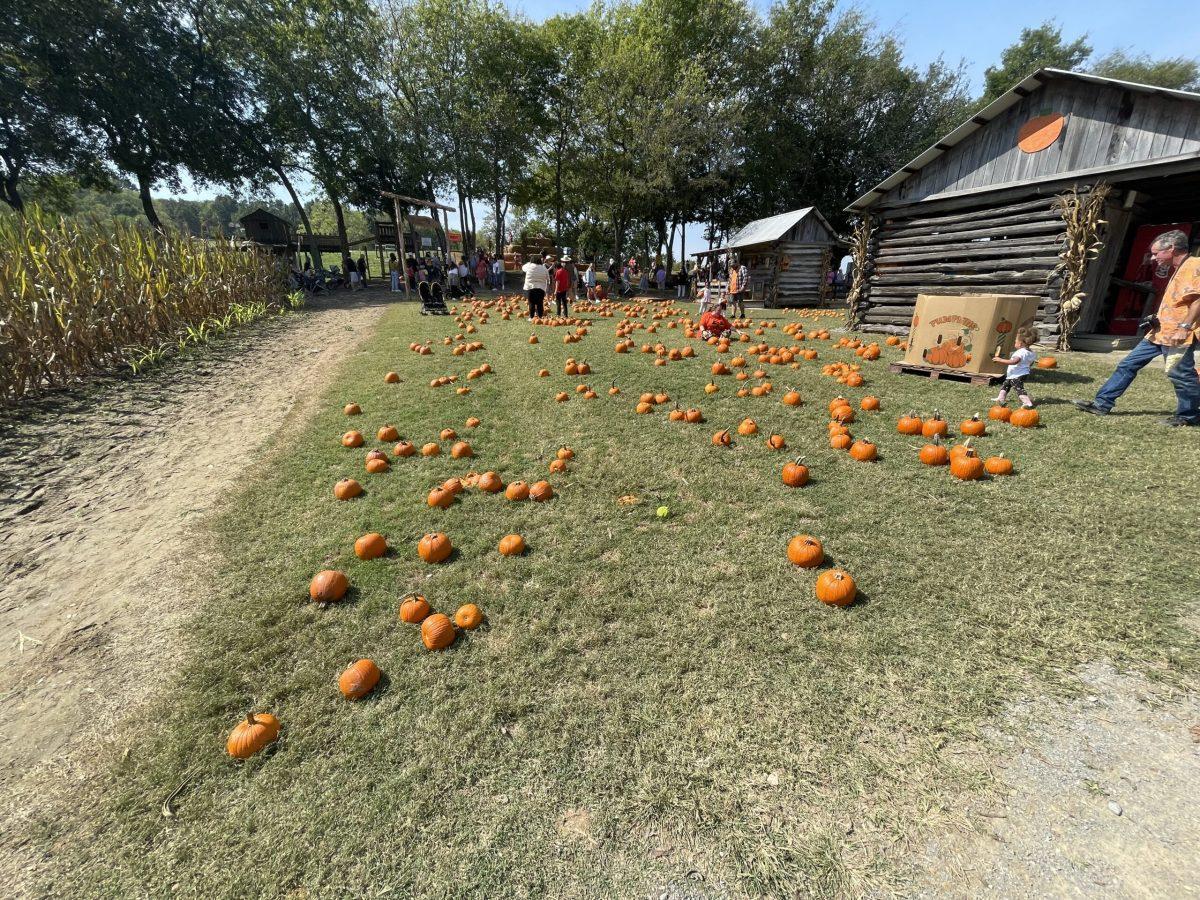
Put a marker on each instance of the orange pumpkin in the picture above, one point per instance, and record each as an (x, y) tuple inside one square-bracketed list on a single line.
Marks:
[(490, 483), (414, 608), (352, 409), (863, 450), (973, 427), (440, 498), (722, 438), (512, 545), (998, 465), (375, 465), (910, 424), (434, 547), (840, 441), (370, 546), (469, 617), (836, 588), (805, 551), (776, 442), (999, 413), (352, 439), (748, 427), (1025, 418), (795, 474), (869, 403), (437, 632), (347, 489), (328, 586), (935, 453), (431, 449), (250, 735), (540, 491), (517, 490), (461, 450), (359, 680), (967, 466), (404, 448), (934, 425), (388, 433)]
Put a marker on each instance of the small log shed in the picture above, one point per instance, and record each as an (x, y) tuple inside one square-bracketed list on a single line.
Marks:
[(1056, 189), (788, 257)]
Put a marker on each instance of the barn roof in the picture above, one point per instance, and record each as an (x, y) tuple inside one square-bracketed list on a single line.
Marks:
[(772, 228), (1011, 97)]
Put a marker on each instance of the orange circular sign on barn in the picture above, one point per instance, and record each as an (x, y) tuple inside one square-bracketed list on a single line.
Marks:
[(1040, 132)]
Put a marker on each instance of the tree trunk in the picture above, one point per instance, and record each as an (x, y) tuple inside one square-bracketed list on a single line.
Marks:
[(148, 202), (343, 238), (313, 251), (10, 195), (682, 245)]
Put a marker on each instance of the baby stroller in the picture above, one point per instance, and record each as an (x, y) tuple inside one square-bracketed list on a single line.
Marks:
[(431, 299)]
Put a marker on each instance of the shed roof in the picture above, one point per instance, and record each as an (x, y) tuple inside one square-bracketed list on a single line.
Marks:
[(772, 228), (259, 213), (1010, 98)]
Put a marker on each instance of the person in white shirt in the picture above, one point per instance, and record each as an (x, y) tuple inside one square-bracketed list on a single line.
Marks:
[(1019, 366), (537, 282), (498, 273)]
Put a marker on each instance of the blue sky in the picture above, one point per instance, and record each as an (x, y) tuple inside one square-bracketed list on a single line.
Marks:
[(978, 30), (975, 33)]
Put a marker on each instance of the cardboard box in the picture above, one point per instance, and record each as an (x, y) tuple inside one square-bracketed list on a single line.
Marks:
[(964, 332)]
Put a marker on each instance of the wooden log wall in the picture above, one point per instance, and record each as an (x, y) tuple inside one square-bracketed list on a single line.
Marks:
[(1004, 249), (800, 284)]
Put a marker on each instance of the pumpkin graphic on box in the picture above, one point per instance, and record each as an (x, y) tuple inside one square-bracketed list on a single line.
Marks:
[(1003, 326), (952, 354)]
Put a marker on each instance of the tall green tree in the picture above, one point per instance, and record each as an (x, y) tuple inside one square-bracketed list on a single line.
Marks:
[(832, 109), (1036, 48), (1177, 73)]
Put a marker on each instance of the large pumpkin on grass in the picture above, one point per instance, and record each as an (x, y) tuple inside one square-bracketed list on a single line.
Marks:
[(795, 473), (967, 466), (413, 609), (370, 546), (836, 588), (540, 491), (805, 551), (910, 424), (437, 632), (512, 545), (250, 735), (935, 424), (469, 617), (352, 439), (328, 586), (359, 680), (1025, 418), (434, 547)]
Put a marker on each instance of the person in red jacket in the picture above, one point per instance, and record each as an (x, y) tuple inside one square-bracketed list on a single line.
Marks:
[(713, 323), (562, 287)]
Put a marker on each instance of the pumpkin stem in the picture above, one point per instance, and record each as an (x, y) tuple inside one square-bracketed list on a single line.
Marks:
[(250, 718)]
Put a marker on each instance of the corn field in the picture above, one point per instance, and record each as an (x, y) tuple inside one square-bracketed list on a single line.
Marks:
[(79, 297)]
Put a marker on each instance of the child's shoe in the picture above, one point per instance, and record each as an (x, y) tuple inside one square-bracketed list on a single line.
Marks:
[(1000, 397)]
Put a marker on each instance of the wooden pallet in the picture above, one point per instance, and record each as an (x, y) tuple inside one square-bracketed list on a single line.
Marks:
[(935, 374)]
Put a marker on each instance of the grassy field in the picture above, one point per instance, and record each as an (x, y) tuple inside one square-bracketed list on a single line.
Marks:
[(655, 703)]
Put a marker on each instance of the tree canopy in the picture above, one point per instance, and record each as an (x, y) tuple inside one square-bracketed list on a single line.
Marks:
[(608, 129)]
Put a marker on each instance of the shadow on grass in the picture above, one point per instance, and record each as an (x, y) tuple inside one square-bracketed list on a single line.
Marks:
[(1057, 376)]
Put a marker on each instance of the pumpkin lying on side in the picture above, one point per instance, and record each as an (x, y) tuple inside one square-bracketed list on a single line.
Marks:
[(437, 632), (359, 680)]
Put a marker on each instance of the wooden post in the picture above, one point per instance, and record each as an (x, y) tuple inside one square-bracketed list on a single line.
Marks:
[(400, 247)]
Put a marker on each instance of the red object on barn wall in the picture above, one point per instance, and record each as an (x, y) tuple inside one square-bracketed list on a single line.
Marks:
[(1127, 310)]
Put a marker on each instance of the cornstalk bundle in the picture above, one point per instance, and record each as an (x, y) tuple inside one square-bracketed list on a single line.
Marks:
[(79, 297), (860, 250), (1083, 214)]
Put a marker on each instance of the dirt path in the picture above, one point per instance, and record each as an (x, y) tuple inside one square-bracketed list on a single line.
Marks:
[(1099, 802), (101, 492)]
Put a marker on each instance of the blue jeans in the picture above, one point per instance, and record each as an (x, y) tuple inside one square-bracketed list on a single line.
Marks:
[(1182, 375)]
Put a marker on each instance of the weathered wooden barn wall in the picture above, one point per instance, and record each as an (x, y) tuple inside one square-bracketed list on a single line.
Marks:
[(1009, 249), (1106, 125)]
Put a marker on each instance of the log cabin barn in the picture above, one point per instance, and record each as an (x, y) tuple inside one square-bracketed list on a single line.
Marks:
[(1056, 189), (269, 230), (788, 257)]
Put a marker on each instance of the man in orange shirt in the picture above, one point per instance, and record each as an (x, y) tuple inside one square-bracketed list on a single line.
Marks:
[(1173, 328)]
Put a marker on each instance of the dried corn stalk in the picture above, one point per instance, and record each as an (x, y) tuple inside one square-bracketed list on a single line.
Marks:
[(860, 250), (83, 296), (1081, 243)]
